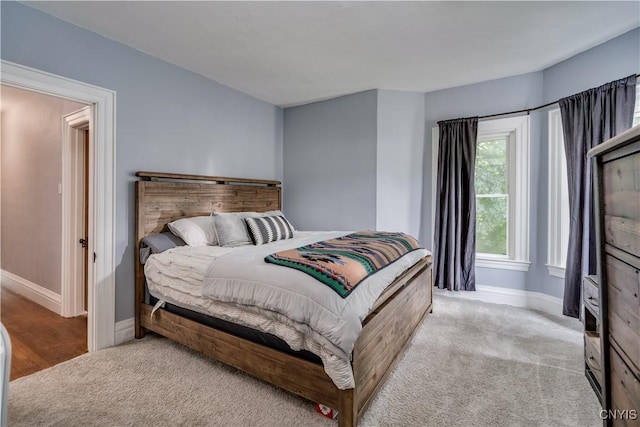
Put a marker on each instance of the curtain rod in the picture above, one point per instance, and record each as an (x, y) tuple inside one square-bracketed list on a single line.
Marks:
[(527, 110)]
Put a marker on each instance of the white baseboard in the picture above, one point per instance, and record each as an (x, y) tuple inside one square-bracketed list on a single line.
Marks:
[(516, 298), (32, 291), (125, 330)]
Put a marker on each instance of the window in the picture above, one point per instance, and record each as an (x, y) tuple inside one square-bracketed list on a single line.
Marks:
[(636, 114), (492, 196), (502, 192), (558, 231)]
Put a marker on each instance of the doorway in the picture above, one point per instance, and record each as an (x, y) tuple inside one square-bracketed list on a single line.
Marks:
[(31, 150), (76, 167), (101, 325)]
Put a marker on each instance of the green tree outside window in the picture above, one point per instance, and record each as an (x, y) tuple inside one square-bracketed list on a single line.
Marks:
[(492, 199)]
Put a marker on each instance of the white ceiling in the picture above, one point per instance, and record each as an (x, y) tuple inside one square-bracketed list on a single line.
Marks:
[(291, 53)]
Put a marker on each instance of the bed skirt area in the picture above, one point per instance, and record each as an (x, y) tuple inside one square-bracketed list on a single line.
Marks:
[(239, 331)]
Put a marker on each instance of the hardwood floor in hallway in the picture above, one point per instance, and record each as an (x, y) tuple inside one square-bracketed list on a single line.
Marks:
[(39, 337)]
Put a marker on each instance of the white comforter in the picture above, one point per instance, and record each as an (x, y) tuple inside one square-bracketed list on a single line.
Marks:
[(243, 277)]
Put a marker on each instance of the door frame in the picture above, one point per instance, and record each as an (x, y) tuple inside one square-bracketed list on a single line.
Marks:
[(101, 286), (73, 182)]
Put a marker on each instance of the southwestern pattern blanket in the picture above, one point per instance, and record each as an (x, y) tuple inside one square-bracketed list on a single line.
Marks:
[(342, 263)]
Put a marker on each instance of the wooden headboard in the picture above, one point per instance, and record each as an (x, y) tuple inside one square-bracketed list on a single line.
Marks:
[(162, 198), (165, 197)]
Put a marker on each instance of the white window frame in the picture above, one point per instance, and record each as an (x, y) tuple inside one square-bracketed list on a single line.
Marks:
[(636, 113), (516, 129), (558, 228)]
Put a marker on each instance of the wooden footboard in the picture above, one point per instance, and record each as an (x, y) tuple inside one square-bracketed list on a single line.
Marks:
[(387, 331)]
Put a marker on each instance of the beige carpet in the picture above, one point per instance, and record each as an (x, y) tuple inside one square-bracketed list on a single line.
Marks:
[(471, 364)]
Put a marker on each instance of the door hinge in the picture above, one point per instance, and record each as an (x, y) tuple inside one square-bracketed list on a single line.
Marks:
[(94, 257)]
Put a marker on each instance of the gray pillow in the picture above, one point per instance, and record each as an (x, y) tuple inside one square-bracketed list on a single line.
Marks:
[(231, 228), (156, 243)]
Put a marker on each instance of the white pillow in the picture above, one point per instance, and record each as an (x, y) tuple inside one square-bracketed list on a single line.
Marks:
[(195, 231)]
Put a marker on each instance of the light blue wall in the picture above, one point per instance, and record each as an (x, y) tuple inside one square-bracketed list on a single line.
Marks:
[(168, 119), (330, 163), (355, 162), (612, 60), (400, 146)]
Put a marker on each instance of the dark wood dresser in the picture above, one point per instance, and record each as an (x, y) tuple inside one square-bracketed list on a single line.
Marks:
[(592, 344), (616, 169)]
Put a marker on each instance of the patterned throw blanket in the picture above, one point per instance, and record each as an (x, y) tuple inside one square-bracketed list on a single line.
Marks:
[(342, 263)]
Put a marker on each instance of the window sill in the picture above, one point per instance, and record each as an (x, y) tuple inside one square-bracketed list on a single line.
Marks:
[(503, 264), (556, 271)]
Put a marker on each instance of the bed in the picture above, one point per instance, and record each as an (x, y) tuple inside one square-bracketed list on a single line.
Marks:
[(385, 333)]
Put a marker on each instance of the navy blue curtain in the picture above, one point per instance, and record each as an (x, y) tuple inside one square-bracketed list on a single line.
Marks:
[(454, 251), (588, 119)]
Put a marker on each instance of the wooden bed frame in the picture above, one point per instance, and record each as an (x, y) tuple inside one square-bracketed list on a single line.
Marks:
[(387, 331)]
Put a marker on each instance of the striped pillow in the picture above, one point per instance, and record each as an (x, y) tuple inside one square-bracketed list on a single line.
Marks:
[(267, 229)]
